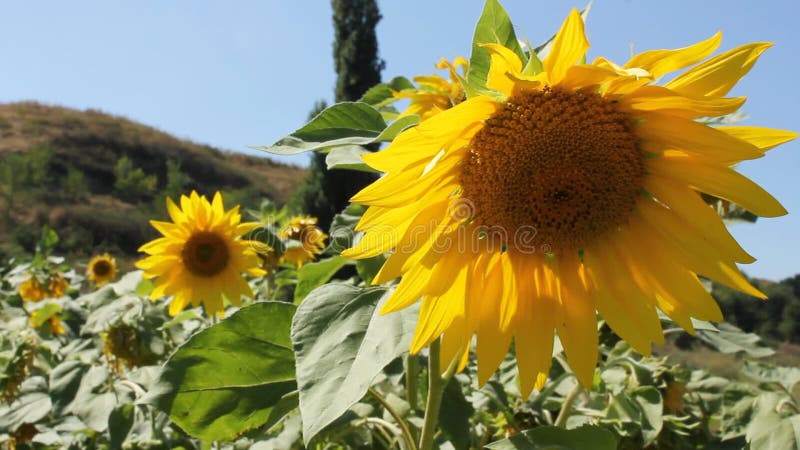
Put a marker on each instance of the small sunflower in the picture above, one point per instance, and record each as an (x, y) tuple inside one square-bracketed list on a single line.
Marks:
[(53, 322), (563, 190), (101, 269), (435, 94), (309, 240), (201, 257), (33, 290)]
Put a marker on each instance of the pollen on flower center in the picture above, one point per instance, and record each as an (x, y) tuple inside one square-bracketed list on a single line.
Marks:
[(566, 163), (205, 254)]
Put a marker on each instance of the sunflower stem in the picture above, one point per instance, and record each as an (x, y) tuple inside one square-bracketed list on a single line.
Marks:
[(566, 408), (404, 431), (412, 372), (436, 383)]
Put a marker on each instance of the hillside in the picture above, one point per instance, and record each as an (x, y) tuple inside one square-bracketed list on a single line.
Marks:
[(97, 179)]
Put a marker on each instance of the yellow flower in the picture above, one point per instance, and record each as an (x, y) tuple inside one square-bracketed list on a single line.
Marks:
[(310, 240), (269, 258), (101, 269), (435, 94), (31, 290), (201, 257), (563, 193), (56, 285)]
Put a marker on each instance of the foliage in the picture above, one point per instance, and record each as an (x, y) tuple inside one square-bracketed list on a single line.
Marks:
[(132, 183), (57, 169), (122, 374), (777, 319)]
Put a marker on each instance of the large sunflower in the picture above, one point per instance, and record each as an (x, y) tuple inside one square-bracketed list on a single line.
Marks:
[(565, 191), (201, 257), (101, 269)]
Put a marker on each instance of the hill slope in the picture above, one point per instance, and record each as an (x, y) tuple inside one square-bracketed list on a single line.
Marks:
[(97, 179)]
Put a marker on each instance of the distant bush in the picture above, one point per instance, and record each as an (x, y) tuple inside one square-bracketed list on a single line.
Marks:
[(132, 183), (777, 318)]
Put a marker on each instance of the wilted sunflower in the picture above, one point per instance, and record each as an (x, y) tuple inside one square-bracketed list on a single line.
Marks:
[(435, 94), (33, 290), (309, 240), (101, 269), (562, 192), (201, 256)]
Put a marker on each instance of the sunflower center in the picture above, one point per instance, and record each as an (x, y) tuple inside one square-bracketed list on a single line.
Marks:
[(566, 164), (101, 268), (205, 254)]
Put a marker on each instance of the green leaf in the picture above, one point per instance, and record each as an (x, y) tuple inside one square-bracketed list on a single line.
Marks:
[(228, 378), (397, 127), (341, 344), (64, 382), (119, 425), (454, 415), (369, 267), (342, 228), (314, 275), (381, 94), (348, 157), (555, 438), (649, 400), (730, 339), (28, 408), (345, 123), (769, 430), (493, 27)]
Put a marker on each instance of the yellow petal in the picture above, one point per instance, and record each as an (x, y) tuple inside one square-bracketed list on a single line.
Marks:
[(717, 76), (578, 328), (763, 138), (660, 99), (661, 132), (660, 62), (533, 327), (437, 313), (569, 47), (721, 182), (421, 143), (503, 61), (697, 215)]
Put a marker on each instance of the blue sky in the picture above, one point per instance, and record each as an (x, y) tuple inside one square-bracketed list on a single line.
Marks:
[(233, 74)]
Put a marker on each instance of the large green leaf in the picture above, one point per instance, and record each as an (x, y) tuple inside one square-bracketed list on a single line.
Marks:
[(348, 123), (342, 229), (493, 27), (730, 339), (314, 275), (64, 382), (348, 157), (228, 378), (555, 438), (341, 344), (771, 430)]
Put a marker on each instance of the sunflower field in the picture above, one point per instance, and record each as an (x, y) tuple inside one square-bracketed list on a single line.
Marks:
[(540, 229)]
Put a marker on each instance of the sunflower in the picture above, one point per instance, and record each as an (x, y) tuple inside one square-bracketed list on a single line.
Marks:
[(435, 94), (559, 193), (33, 290), (201, 257), (101, 269), (309, 240)]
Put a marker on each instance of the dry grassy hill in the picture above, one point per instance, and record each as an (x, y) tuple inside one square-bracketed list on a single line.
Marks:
[(61, 167)]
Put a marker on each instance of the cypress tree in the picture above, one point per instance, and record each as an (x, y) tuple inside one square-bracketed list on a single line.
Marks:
[(358, 68)]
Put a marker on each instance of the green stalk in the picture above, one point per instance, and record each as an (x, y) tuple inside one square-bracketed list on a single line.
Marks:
[(436, 383), (412, 370)]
